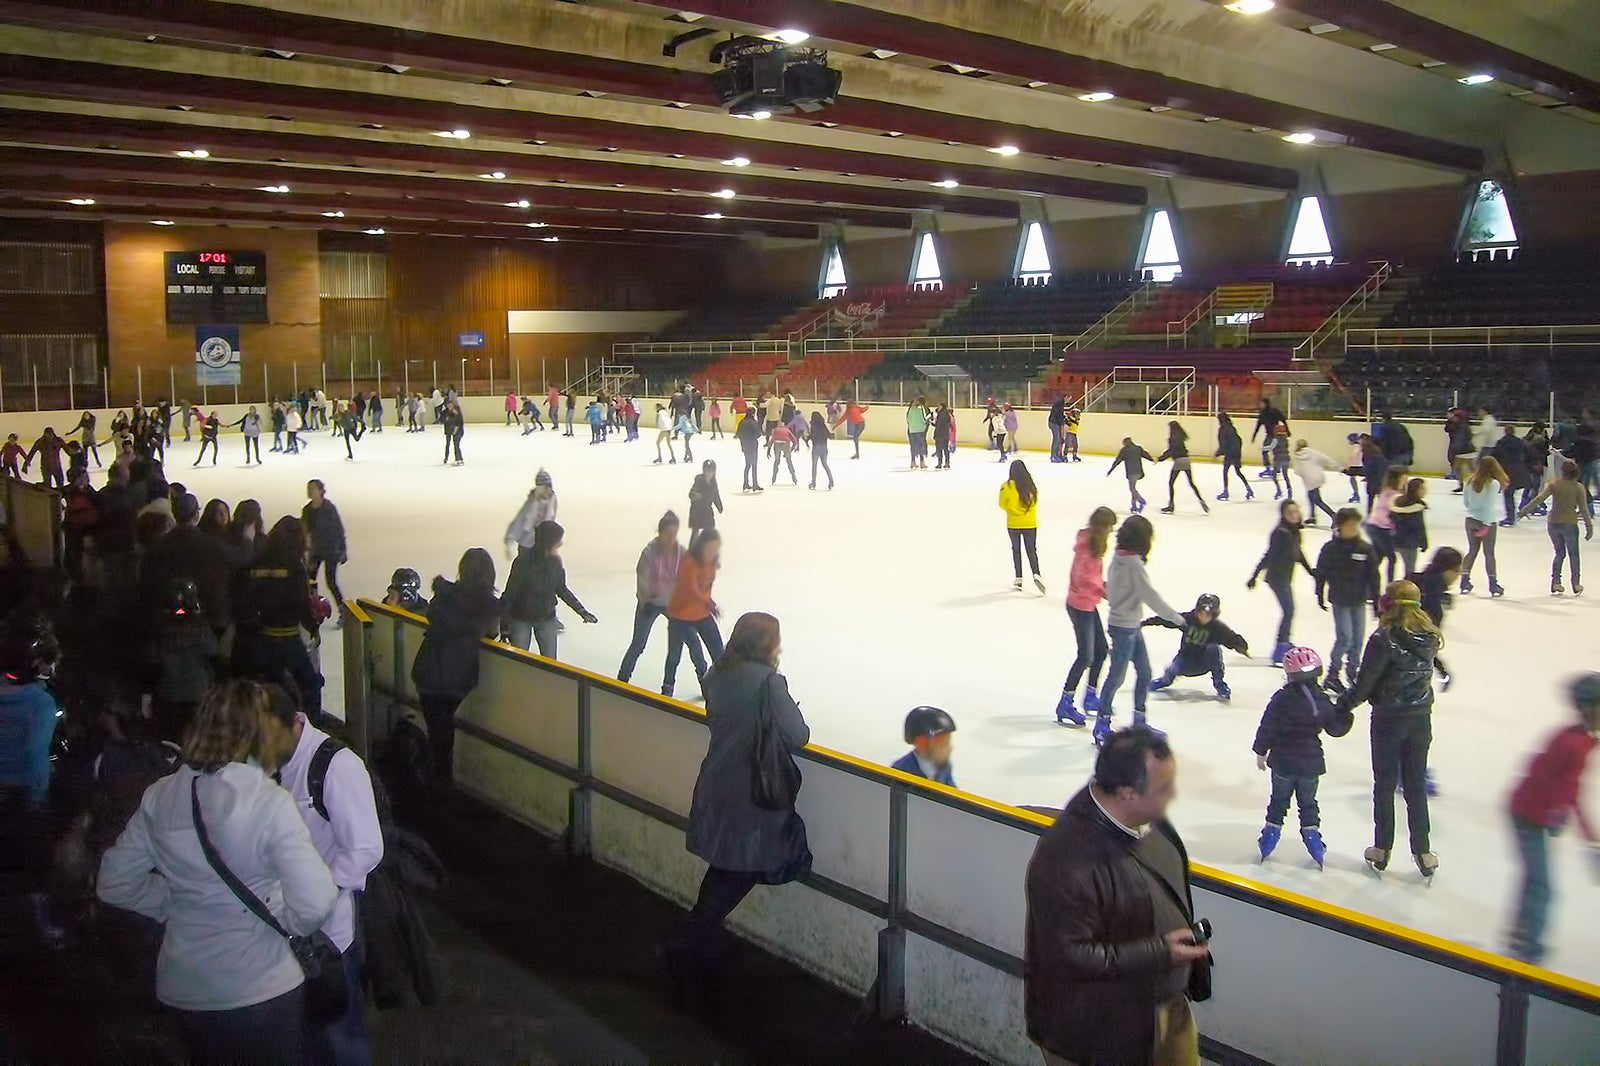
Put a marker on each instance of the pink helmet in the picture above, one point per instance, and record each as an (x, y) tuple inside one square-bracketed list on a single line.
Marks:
[(1300, 661)]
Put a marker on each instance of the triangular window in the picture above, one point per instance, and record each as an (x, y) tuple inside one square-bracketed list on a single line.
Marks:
[(1160, 258), (833, 279), (1309, 244), (1489, 225), (1034, 262), (925, 266)]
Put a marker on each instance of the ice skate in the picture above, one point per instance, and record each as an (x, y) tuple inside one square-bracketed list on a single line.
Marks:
[(1206, 507), (1224, 693), (1249, 494), (1466, 587), (1496, 589), (1577, 589), (1429, 785), (1067, 713), (1556, 588), (1017, 584), (1223, 495), (1102, 730), (1334, 685), (1377, 860), (1160, 683), (1314, 844), (1091, 701), (1038, 583), (1268, 840), (1168, 509), (1427, 865), (1141, 722), (1279, 651)]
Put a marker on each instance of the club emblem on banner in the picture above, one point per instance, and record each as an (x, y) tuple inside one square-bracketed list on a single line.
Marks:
[(216, 355)]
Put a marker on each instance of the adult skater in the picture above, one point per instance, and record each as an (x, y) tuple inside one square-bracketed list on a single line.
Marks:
[(1019, 499), (1128, 593), (528, 607), (855, 420), (553, 406), (1481, 493), (375, 411), (292, 424), (1008, 436), (250, 424), (1200, 648), (277, 417), (1312, 467), (1086, 588), (572, 408), (1458, 444), (351, 429), (210, 426), (1397, 678), (90, 444), (1230, 446), (1178, 452), (1512, 453), (656, 576), (1282, 555), (917, 433), (1347, 578), (780, 445), (817, 438), (1289, 744), (48, 449), (663, 435), (540, 507), (1410, 512), (1132, 458), (772, 413), (748, 433), (445, 671), (1374, 469), (1397, 445), (1268, 419), (455, 425), (511, 405), (1548, 796), (944, 424), (1281, 461), (325, 531), (930, 732), (705, 502), (1058, 421), (692, 613), (1569, 502)]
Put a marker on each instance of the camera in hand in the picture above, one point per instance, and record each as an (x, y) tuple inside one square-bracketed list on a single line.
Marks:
[(1201, 931)]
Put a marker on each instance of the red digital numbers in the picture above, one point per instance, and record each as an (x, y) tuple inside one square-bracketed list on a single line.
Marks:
[(213, 257)]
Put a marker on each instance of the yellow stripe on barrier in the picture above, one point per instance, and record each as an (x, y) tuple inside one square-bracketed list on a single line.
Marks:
[(358, 613)]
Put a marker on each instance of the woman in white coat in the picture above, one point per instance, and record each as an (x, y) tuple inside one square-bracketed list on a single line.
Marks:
[(235, 987), (1313, 467)]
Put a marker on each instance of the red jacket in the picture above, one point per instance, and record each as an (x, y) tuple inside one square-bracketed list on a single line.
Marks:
[(1553, 781)]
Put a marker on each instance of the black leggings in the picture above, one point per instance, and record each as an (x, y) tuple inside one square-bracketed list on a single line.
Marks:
[(440, 713), (1020, 539), (1172, 482), (701, 943), (751, 459), (1231, 462), (822, 458), (1091, 634), (207, 442), (250, 442), (452, 440), (1315, 503), (318, 561), (1400, 745)]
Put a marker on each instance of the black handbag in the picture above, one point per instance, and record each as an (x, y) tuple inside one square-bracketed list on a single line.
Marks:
[(774, 777), (327, 995)]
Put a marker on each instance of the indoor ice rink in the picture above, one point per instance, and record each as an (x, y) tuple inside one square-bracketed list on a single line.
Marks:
[(895, 590)]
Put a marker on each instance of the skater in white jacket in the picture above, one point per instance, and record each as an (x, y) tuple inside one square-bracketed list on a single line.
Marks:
[(1487, 434), (540, 506), (1313, 467)]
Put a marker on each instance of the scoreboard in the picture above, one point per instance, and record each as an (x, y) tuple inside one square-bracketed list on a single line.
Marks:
[(216, 287)]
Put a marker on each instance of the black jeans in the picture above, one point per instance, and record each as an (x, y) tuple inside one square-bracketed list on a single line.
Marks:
[(207, 442), (1285, 594), (452, 440), (1091, 636), (319, 561), (263, 1034), (701, 942), (751, 472), (1400, 756), (702, 638), (440, 713), (252, 443), (822, 458), (1315, 504), (1303, 790), (1020, 539), (644, 620)]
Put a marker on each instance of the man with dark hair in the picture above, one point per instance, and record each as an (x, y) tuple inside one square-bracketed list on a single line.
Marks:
[(1268, 419), (1111, 959)]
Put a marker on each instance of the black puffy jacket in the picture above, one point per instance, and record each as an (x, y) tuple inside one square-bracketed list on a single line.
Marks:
[(1396, 672), (447, 662)]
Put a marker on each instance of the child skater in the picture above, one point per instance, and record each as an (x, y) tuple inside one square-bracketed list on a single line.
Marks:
[(818, 439), (781, 444), (1354, 465), (1347, 575), (1230, 446), (1128, 592), (705, 502), (1178, 452), (1409, 511), (1019, 498), (1312, 467), (11, 457), (714, 412), (1540, 807), (1481, 494), (663, 435), (1132, 459), (1200, 651), (1282, 554), (1085, 589), (1380, 518), (1289, 743), (686, 427), (1074, 421), (1281, 461), (929, 731)]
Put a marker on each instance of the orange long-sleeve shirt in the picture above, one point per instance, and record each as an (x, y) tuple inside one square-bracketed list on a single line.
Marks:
[(691, 596)]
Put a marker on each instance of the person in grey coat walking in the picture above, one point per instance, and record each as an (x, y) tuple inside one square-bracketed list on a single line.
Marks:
[(744, 845)]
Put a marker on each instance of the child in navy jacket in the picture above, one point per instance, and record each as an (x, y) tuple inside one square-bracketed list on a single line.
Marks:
[(1289, 742), (1200, 652)]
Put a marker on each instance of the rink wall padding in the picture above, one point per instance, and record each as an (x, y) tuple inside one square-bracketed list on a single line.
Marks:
[(916, 897)]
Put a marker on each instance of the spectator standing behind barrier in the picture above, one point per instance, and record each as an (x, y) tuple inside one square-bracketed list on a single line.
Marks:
[(333, 793), (236, 987), (445, 670), (1110, 960), (744, 844), (930, 732)]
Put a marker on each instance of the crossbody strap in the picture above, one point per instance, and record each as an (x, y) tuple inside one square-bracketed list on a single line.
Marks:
[(251, 901)]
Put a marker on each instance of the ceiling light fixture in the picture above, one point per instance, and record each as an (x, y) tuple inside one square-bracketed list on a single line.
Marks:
[(81, 201), (161, 222), (893, 133), (1323, 27), (193, 153), (1429, 64), (1250, 7), (376, 231), (333, 214), (1097, 97), (1037, 84), (1300, 138), (272, 188), (1158, 108), (549, 240), (454, 135), (712, 214), (1006, 149), (1383, 47), (736, 161), (1476, 79), (519, 203), (724, 194), (791, 36), (536, 225), (757, 115), (946, 183), (495, 174)]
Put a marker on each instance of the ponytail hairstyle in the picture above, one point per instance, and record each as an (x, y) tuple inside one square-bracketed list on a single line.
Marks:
[(1101, 519), (1402, 609)]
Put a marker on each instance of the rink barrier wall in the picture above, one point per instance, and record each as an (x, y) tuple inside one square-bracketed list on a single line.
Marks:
[(916, 896), (33, 517)]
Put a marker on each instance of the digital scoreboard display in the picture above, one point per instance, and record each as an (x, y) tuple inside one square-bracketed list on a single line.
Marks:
[(216, 287)]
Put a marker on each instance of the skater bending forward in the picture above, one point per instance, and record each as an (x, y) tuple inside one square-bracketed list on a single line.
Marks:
[(1200, 653), (1289, 743)]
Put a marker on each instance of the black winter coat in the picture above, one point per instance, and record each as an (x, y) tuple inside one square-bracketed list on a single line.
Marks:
[(1396, 673), (325, 530), (1133, 458), (1282, 555), (1512, 452), (1347, 573), (705, 499), (1397, 442), (1410, 525), (531, 590), (1290, 731), (1229, 444), (446, 665)]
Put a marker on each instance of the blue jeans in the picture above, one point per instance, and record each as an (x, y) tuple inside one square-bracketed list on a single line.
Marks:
[(1056, 450), (1091, 647), (695, 635), (346, 1042), (1213, 664), (1349, 630), (1285, 594), (644, 620), (1533, 905), (1127, 645), (1564, 538), (1303, 790)]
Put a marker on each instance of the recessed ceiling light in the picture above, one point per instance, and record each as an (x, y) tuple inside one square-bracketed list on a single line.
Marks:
[(272, 188), (549, 240), (724, 194), (882, 53), (757, 115), (1476, 79), (161, 222), (712, 214), (1429, 64), (791, 36), (1208, 118), (1383, 47), (893, 133), (1006, 149), (194, 153), (495, 174), (1300, 138), (947, 183), (1098, 97), (827, 125), (454, 135), (376, 231), (1158, 108), (736, 161), (518, 203), (536, 225), (81, 201), (1323, 27), (333, 214), (1037, 84), (1250, 7)]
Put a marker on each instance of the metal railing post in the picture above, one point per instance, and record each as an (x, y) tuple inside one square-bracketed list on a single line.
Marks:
[(890, 985), (172, 384), (580, 801), (72, 402), (1511, 1027)]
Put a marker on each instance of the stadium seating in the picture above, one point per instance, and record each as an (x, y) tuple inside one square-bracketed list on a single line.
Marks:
[(1521, 290), (1066, 306), (741, 318)]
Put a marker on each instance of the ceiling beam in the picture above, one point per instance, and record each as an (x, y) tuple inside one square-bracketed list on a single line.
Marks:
[(872, 27), (292, 32), (114, 83)]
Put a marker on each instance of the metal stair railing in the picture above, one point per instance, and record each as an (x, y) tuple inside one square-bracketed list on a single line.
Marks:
[(1307, 349), (1190, 320), (1137, 300)]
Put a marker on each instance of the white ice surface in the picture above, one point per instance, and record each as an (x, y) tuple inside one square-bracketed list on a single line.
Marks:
[(895, 590)]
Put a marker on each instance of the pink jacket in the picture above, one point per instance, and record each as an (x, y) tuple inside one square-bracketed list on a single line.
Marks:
[(1383, 509), (1087, 586)]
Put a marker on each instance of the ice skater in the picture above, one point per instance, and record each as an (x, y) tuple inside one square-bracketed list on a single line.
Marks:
[(1007, 437), (1178, 452), (540, 507), (48, 449), (1128, 593), (528, 607), (530, 417), (405, 591), (748, 432), (917, 433), (210, 426), (292, 424), (1019, 499), (1347, 583), (663, 435), (90, 444), (780, 446), (250, 424), (931, 734), (1355, 460), (1200, 649), (855, 418), (714, 412), (1282, 555), (1230, 446), (325, 533), (1132, 459), (1380, 519), (687, 427), (11, 457), (1481, 492), (1410, 512), (1549, 796), (1281, 461), (692, 613), (657, 576), (1397, 677), (1086, 588), (1057, 421), (705, 502), (1289, 744), (817, 440), (944, 427), (1074, 421), (1312, 468), (1268, 419), (1568, 503)]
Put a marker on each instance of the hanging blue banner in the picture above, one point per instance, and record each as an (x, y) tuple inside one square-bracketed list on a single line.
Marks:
[(217, 356)]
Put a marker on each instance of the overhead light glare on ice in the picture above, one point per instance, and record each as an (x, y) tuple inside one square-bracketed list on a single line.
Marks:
[(1250, 7), (161, 222), (536, 225)]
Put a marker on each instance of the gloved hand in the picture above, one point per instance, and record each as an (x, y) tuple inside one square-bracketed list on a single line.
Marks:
[(1322, 603), (1250, 584), (1444, 682), (590, 619), (1261, 762)]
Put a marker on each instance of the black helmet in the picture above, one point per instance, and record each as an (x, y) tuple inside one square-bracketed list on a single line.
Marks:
[(927, 722), (1210, 602), (28, 650), (406, 581), (183, 596), (1586, 690)]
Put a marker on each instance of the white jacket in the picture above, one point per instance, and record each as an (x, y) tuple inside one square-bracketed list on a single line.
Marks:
[(663, 421), (1312, 466), (216, 955), (1487, 435), (533, 511)]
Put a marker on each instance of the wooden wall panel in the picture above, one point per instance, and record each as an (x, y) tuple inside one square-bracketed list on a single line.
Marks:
[(1237, 234), (1095, 245), (1403, 226), (1557, 212)]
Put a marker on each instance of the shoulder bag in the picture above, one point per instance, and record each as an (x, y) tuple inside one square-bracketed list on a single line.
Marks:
[(326, 994), (774, 777)]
